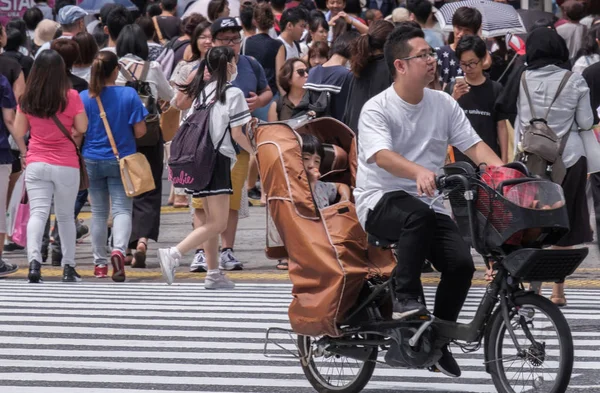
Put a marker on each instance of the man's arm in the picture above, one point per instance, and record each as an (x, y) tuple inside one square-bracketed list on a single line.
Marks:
[(399, 166), (481, 153), (503, 139)]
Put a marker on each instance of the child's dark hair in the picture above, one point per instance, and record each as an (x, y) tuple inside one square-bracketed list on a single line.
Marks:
[(312, 145)]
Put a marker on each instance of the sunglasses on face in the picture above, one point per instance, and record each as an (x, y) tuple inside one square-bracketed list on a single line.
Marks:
[(302, 72)]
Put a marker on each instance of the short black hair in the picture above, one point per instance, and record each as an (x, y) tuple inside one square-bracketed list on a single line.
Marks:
[(342, 45), (105, 10), (278, 5), (153, 9), (353, 7), (469, 18), (117, 19), (293, 16), (14, 39), (247, 15), (168, 5), (397, 46), (471, 42), (312, 145), (421, 8), (132, 40), (18, 24), (32, 17)]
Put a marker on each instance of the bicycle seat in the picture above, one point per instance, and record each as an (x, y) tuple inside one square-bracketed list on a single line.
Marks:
[(379, 242)]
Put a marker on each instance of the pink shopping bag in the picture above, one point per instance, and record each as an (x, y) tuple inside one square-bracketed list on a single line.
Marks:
[(19, 235)]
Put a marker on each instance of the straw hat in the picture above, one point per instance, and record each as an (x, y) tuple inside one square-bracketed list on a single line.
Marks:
[(45, 31)]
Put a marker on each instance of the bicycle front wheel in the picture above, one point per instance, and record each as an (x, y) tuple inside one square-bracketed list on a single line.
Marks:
[(545, 362)]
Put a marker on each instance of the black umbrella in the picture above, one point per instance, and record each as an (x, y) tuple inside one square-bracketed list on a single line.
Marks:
[(531, 18)]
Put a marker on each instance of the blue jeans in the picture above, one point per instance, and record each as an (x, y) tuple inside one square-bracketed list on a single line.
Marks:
[(107, 193)]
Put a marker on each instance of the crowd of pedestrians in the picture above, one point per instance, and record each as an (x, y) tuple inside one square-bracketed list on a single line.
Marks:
[(65, 75)]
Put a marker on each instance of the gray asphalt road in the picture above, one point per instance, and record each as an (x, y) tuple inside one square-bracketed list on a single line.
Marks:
[(108, 338)]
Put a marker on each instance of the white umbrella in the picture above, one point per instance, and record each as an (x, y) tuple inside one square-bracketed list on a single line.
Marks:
[(201, 7), (498, 19)]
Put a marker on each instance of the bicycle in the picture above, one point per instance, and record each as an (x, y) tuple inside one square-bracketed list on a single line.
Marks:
[(510, 234)]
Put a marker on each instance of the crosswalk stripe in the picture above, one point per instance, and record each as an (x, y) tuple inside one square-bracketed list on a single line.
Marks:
[(105, 338)]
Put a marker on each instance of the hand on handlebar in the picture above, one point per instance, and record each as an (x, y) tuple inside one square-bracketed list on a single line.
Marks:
[(426, 182)]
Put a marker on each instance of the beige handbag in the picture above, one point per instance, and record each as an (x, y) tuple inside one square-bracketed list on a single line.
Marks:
[(135, 169)]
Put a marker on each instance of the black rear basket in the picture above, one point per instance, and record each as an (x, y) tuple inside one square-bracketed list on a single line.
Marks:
[(544, 265)]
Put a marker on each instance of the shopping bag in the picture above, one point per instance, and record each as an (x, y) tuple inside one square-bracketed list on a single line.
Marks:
[(19, 235), (15, 199)]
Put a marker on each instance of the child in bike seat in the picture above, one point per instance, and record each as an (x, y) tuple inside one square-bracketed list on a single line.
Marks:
[(324, 193)]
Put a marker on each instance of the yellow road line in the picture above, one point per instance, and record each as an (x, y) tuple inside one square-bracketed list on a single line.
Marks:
[(259, 276)]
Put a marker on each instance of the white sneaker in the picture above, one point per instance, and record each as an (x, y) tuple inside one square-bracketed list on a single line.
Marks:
[(218, 281), (168, 264), (228, 261), (199, 263)]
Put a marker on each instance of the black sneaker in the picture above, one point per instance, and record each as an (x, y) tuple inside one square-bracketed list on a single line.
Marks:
[(35, 272), (408, 307), (13, 247), (70, 274), (447, 364), (7, 268), (56, 258), (254, 193)]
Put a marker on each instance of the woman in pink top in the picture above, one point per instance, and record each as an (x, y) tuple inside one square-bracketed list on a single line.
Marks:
[(52, 164)]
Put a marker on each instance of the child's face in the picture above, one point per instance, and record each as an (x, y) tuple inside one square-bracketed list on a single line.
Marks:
[(312, 162)]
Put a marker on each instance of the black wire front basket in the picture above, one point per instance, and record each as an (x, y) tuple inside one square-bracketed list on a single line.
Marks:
[(510, 210)]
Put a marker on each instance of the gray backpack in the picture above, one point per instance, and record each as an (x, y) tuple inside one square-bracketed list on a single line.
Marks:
[(541, 149)]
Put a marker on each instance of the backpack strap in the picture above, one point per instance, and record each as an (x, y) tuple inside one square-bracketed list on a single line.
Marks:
[(526, 90), (298, 48), (130, 76), (561, 86), (158, 31)]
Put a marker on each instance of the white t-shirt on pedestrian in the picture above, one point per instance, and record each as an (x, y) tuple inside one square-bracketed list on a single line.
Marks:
[(420, 133), (233, 113), (291, 51)]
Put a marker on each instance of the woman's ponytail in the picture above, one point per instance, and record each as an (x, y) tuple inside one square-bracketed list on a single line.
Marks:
[(363, 48), (103, 66)]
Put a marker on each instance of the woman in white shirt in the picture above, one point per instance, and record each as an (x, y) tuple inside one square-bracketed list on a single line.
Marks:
[(132, 50), (228, 115)]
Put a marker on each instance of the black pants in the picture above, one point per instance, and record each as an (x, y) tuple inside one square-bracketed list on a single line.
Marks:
[(423, 234)]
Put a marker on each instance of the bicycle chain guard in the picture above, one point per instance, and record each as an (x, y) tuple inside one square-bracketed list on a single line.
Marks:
[(401, 354)]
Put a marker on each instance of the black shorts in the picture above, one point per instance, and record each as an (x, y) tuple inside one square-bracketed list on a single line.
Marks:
[(16, 164), (576, 201), (220, 182)]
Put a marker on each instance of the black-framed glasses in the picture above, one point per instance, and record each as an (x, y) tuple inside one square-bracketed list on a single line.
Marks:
[(229, 41), (302, 72), (425, 56), (469, 65)]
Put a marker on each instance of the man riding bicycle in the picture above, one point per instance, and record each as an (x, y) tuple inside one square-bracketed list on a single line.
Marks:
[(404, 135)]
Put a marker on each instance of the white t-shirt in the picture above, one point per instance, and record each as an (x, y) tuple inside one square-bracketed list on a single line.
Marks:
[(233, 113), (420, 133), (291, 51)]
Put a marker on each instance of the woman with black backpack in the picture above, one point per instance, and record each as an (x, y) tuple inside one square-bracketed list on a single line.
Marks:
[(141, 74), (227, 111)]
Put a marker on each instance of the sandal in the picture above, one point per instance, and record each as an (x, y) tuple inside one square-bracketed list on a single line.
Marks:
[(139, 257), (560, 301), (282, 264), (128, 258)]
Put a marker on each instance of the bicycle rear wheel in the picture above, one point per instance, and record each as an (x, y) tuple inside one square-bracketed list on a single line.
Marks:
[(546, 362), (328, 372)]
